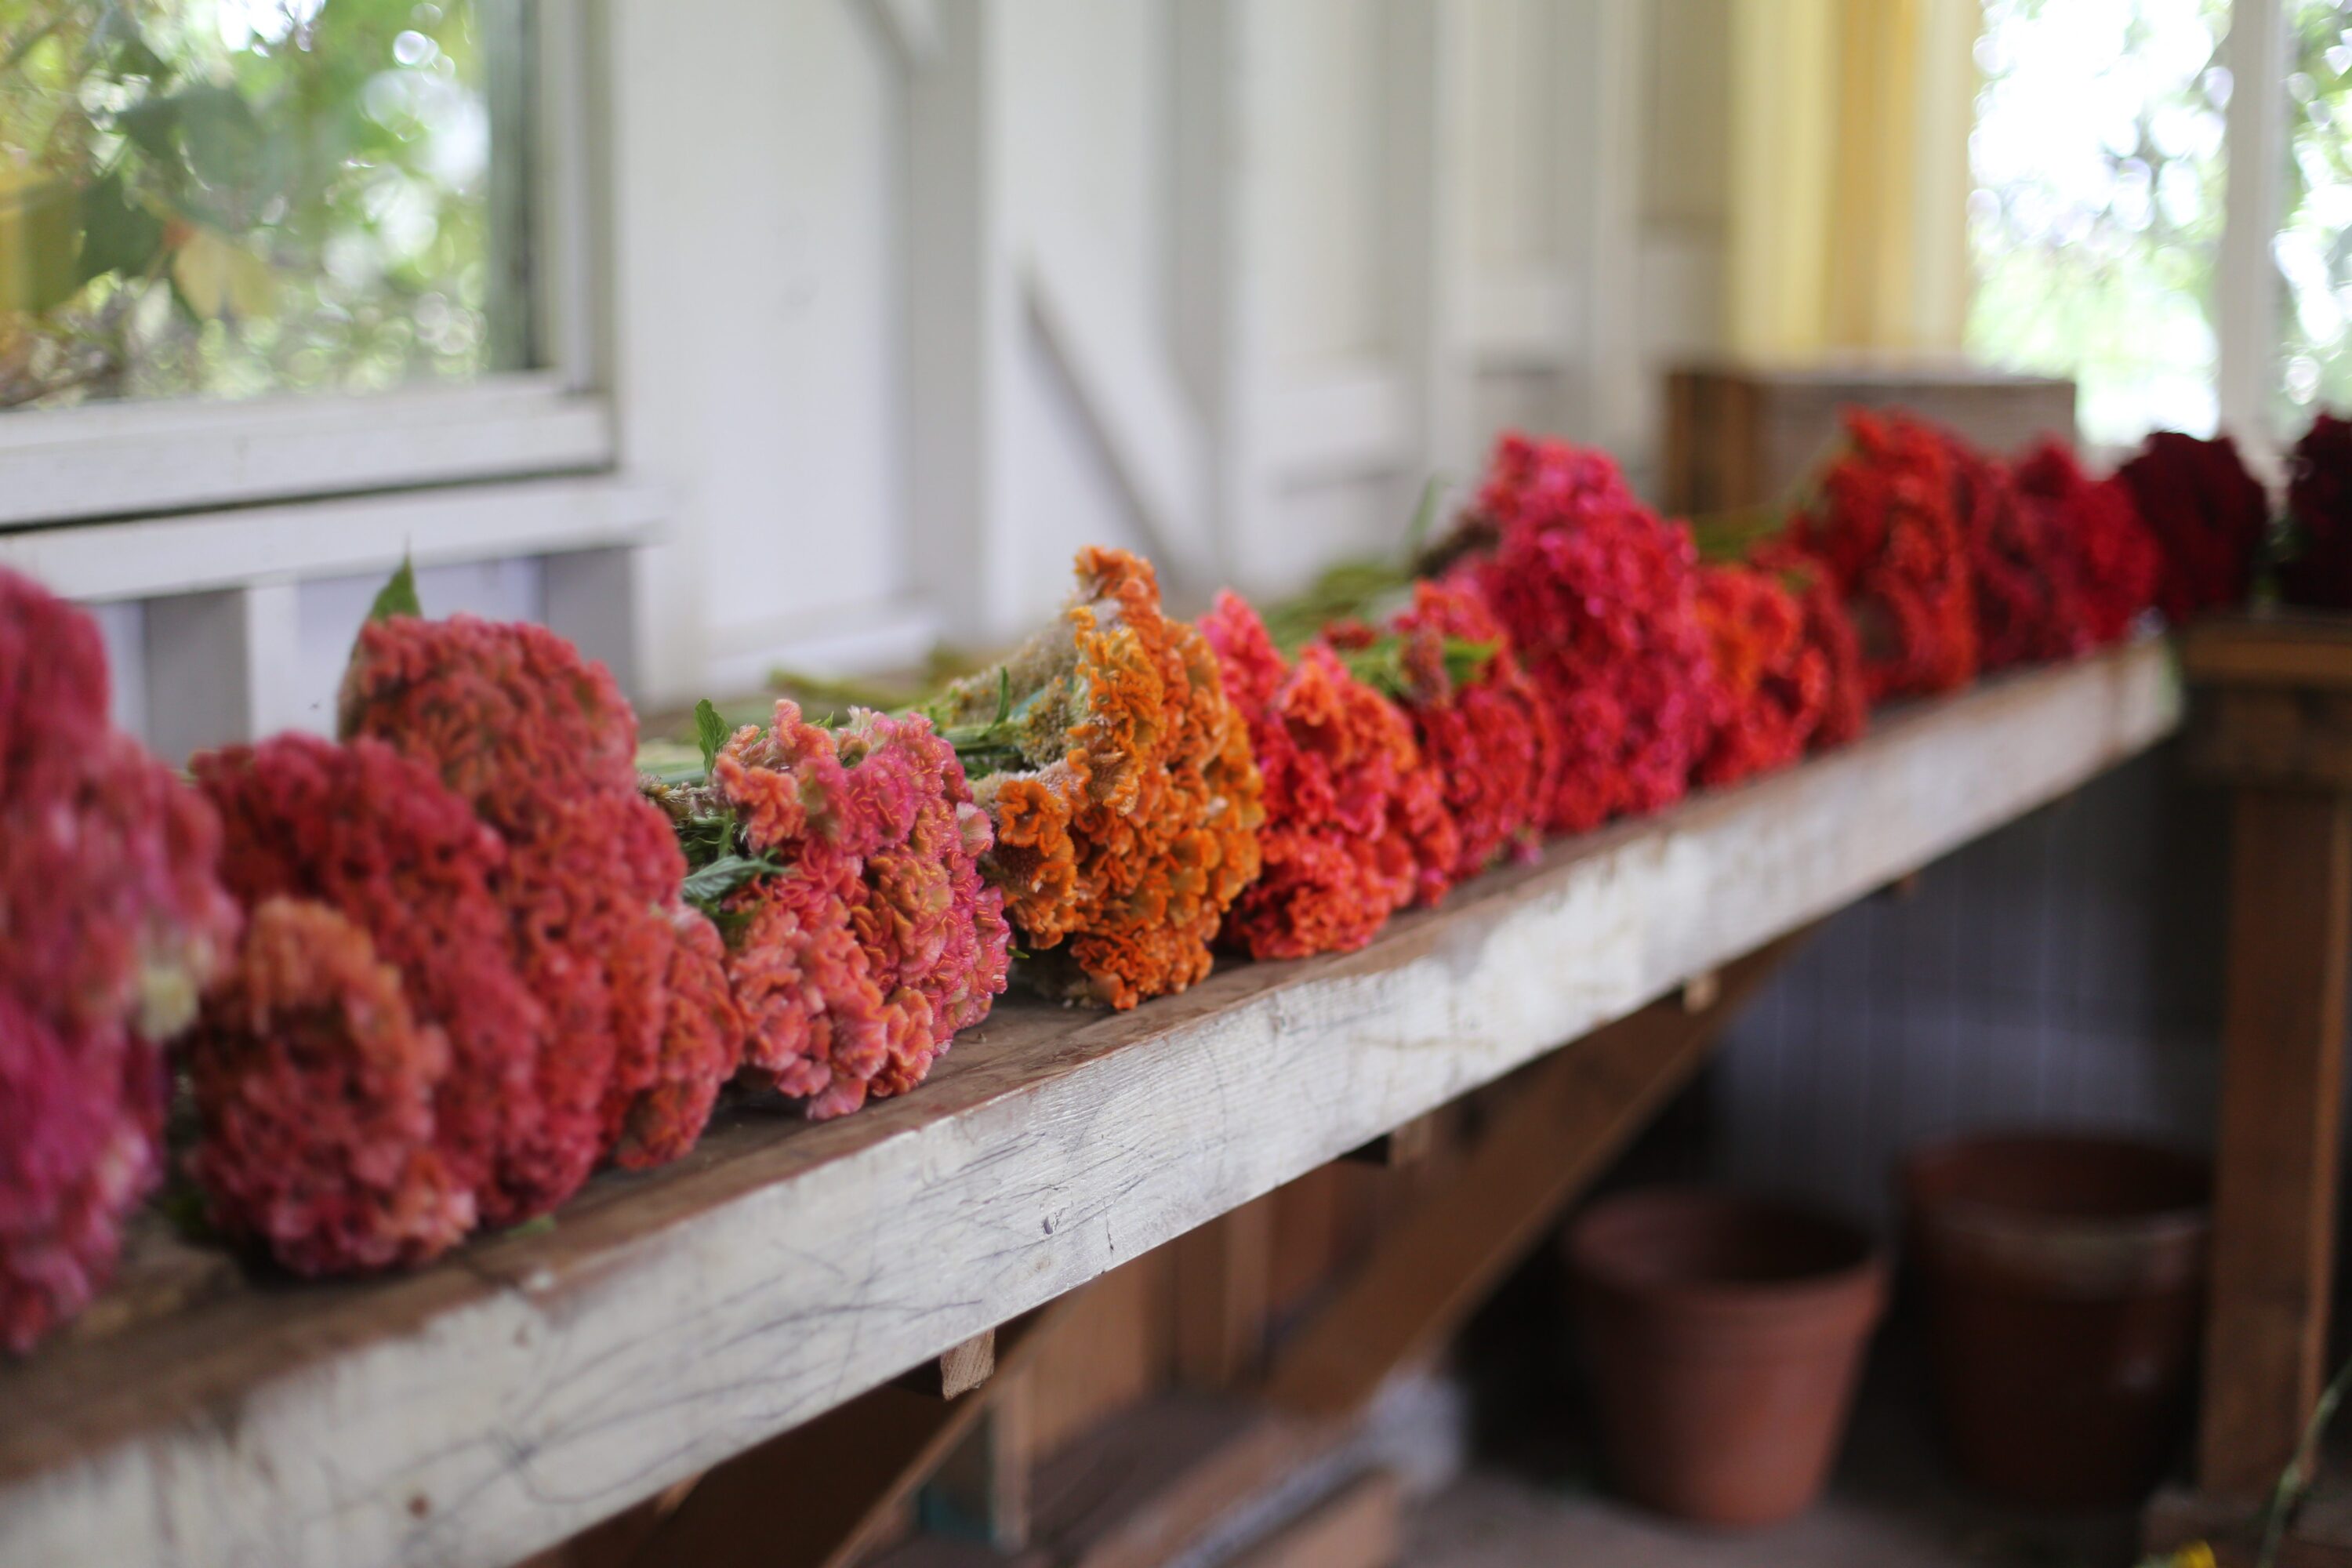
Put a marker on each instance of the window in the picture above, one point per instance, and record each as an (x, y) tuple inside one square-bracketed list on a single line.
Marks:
[(2115, 151), (259, 249)]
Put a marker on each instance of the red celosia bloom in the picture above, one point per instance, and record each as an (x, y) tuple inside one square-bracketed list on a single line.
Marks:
[(1829, 630), (1772, 684), (315, 1086), (1596, 594), (2097, 559), (112, 923), (2010, 553), (1355, 829), (1885, 523), (541, 743), (877, 940), (702, 1041), (377, 837), (2209, 515), (2318, 573), (1126, 802)]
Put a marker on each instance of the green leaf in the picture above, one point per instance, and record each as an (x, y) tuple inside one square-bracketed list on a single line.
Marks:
[(710, 730), (398, 596), (117, 233), (1003, 693), (228, 147), (1424, 516), (706, 888)]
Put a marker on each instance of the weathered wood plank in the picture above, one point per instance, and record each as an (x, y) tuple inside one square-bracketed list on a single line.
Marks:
[(476, 1413)]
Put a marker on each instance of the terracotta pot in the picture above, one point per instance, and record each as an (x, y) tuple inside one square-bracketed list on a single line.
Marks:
[(2064, 1281), (1726, 1334)]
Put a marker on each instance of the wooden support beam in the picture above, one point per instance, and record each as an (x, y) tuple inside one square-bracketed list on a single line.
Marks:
[(1357, 1527), (1572, 1113), (980, 1492), (959, 1369), (871, 1454), (1223, 1282), (2282, 1097), (1402, 1147)]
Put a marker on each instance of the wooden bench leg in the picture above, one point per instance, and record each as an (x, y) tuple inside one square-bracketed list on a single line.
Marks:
[(2275, 1198)]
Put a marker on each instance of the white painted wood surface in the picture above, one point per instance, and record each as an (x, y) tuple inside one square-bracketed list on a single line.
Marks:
[(488, 1407)]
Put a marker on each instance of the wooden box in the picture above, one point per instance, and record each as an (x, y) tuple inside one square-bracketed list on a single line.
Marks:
[(1739, 435)]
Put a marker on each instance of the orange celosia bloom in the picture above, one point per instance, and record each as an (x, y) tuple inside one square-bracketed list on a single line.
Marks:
[(1126, 801)]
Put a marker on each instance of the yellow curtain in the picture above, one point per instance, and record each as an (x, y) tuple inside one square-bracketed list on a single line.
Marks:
[(1848, 221)]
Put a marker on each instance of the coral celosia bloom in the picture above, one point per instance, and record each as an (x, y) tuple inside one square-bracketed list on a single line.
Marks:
[(541, 742), (1886, 522), (2209, 515), (1829, 630), (377, 837), (702, 1041), (2317, 572), (873, 939), (315, 1085), (1597, 593), (1119, 779), (112, 923), (1355, 829), (1771, 683)]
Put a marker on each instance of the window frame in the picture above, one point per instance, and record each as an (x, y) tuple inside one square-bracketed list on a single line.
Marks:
[(108, 462)]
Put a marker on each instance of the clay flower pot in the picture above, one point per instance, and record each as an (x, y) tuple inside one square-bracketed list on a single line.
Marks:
[(2065, 1282), (1725, 1334)]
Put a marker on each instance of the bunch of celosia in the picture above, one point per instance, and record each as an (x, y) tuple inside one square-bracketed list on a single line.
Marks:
[(1486, 734), (2209, 515), (1599, 597), (539, 742), (1119, 780), (860, 935), (1828, 630), (2317, 572), (1886, 524), (2097, 559), (1772, 683), (1355, 829), (111, 923)]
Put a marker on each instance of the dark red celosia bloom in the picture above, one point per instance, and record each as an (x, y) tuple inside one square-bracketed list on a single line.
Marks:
[(1887, 525), (541, 742), (315, 1086), (2209, 515), (1772, 684), (113, 922), (1845, 705), (2010, 553), (702, 1041), (1598, 596), (377, 837), (856, 963), (1355, 829), (2097, 561), (2317, 574)]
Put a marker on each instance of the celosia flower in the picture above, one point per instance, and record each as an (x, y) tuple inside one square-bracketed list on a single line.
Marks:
[(377, 837), (702, 1041), (1598, 596), (2209, 515), (863, 936), (541, 742), (2010, 555), (1355, 829), (112, 923), (1828, 630), (2317, 572), (2097, 559), (78, 1151), (1772, 684), (1885, 524), (315, 1085), (1119, 779)]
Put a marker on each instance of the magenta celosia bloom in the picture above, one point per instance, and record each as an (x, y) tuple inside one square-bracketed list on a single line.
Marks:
[(1355, 827), (874, 939), (111, 923), (315, 1086)]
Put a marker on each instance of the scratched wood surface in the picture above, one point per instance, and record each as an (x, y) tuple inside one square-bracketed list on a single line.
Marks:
[(492, 1406)]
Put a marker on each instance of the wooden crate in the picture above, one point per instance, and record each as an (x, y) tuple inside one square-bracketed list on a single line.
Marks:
[(1743, 436)]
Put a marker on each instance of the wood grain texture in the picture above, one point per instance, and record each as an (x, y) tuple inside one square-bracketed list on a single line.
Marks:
[(959, 1369), (488, 1407), (2276, 1160)]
